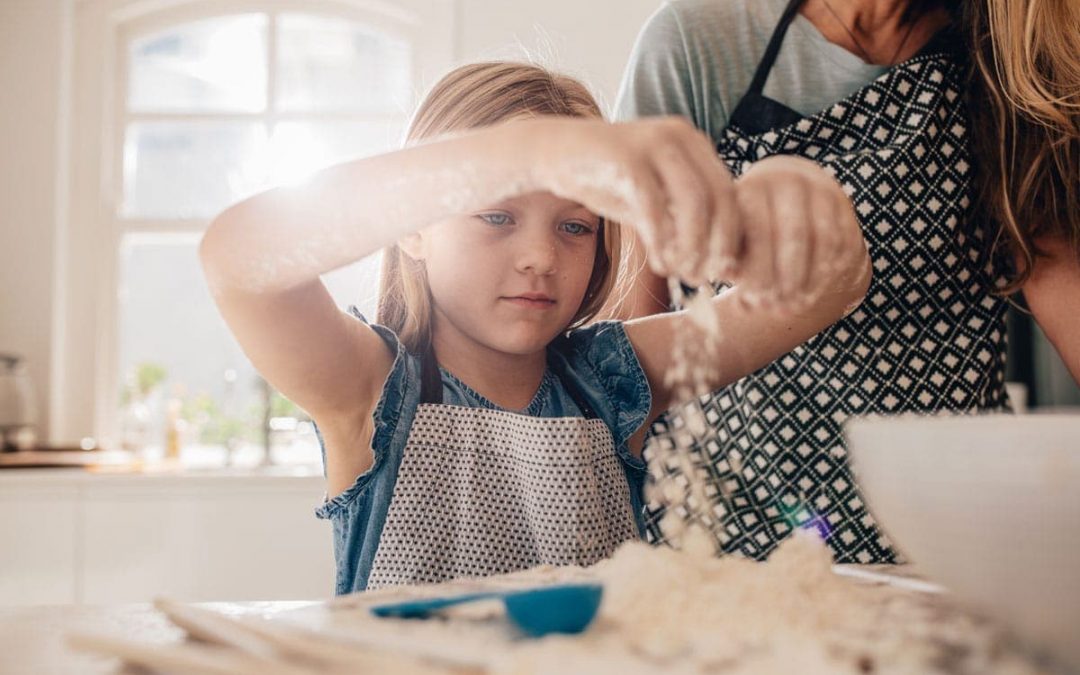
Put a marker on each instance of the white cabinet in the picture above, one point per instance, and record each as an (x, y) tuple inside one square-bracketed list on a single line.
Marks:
[(74, 537), (38, 540)]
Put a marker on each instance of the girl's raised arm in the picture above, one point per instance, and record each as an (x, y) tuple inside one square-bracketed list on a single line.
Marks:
[(263, 256)]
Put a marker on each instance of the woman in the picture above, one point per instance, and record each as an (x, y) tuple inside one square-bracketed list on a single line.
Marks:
[(875, 91)]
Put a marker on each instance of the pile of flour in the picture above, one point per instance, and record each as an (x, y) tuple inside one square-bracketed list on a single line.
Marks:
[(680, 612)]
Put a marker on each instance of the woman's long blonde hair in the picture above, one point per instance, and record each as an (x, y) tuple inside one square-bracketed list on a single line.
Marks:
[(1025, 109), (469, 97)]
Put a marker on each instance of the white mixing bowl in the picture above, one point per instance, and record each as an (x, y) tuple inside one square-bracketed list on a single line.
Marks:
[(989, 506)]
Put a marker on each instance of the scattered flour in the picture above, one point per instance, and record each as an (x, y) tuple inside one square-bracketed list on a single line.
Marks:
[(689, 612)]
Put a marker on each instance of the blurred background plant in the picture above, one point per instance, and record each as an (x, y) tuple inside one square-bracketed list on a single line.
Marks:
[(230, 422)]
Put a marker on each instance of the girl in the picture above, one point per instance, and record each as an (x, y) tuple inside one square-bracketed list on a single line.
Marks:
[(480, 426)]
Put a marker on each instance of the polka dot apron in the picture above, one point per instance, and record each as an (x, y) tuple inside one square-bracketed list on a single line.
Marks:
[(483, 491)]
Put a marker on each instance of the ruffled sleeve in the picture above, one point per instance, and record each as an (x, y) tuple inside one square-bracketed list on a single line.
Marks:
[(600, 360), (400, 392)]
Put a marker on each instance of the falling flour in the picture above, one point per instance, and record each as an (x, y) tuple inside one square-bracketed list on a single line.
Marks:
[(678, 482)]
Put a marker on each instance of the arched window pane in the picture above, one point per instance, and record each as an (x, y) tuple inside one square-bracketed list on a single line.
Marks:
[(198, 157), (191, 169), (337, 65), (299, 148), (214, 65), (196, 169)]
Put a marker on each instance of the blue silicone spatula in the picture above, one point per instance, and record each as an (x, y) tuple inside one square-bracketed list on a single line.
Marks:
[(568, 608)]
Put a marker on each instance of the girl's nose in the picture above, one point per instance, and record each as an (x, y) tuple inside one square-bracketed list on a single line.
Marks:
[(538, 254)]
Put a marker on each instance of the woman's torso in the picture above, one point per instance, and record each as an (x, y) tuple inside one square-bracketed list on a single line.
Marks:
[(680, 66), (928, 337)]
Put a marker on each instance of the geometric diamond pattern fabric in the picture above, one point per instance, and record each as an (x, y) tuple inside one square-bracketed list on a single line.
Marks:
[(929, 335)]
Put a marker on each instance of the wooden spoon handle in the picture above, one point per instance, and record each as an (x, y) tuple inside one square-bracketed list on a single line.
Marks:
[(280, 641), (186, 658)]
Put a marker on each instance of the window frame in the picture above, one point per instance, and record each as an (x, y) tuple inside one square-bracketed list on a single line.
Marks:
[(84, 391)]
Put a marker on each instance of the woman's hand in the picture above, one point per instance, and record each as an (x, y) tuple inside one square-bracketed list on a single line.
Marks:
[(659, 175), (802, 237)]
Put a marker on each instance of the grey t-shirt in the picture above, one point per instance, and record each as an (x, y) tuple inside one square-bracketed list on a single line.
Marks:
[(696, 58)]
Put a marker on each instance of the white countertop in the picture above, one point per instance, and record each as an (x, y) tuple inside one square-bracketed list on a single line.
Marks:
[(33, 640)]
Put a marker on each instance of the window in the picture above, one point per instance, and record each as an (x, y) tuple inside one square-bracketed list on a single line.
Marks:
[(213, 102)]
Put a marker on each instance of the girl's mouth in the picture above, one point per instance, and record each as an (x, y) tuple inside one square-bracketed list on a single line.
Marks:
[(531, 301)]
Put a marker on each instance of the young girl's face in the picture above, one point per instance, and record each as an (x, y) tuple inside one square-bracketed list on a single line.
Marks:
[(511, 277)]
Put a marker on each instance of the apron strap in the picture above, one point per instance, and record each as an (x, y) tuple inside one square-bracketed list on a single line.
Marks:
[(431, 389), (947, 39), (773, 48), (430, 377), (571, 388)]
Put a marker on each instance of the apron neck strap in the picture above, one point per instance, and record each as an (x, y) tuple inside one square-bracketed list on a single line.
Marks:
[(431, 388), (430, 377), (579, 398), (773, 48)]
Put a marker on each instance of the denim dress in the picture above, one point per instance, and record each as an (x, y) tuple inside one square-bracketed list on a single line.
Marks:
[(464, 488)]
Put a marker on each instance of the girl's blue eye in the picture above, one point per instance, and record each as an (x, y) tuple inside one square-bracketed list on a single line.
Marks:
[(576, 228), (497, 219)]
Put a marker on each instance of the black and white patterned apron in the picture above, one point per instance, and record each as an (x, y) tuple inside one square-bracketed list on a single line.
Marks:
[(929, 336), (482, 491)]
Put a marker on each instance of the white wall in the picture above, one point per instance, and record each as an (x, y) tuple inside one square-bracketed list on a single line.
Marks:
[(31, 170), (588, 39)]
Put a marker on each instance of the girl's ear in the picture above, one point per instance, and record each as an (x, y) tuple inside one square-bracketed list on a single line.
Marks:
[(414, 245)]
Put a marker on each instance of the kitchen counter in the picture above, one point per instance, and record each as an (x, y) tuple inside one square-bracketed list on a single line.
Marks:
[(33, 640)]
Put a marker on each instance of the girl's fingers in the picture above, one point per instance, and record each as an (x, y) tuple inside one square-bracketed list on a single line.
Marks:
[(724, 226), (840, 241), (650, 202), (662, 177), (756, 275), (688, 212), (727, 232), (793, 229), (822, 263), (648, 214)]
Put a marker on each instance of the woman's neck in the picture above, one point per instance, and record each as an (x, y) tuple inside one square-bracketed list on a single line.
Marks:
[(874, 30), (871, 17), (508, 380)]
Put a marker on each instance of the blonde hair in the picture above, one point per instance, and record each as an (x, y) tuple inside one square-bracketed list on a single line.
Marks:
[(1025, 110), (469, 97)]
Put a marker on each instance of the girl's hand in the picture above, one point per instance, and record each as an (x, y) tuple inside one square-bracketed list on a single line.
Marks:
[(802, 237), (659, 175), (803, 247)]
